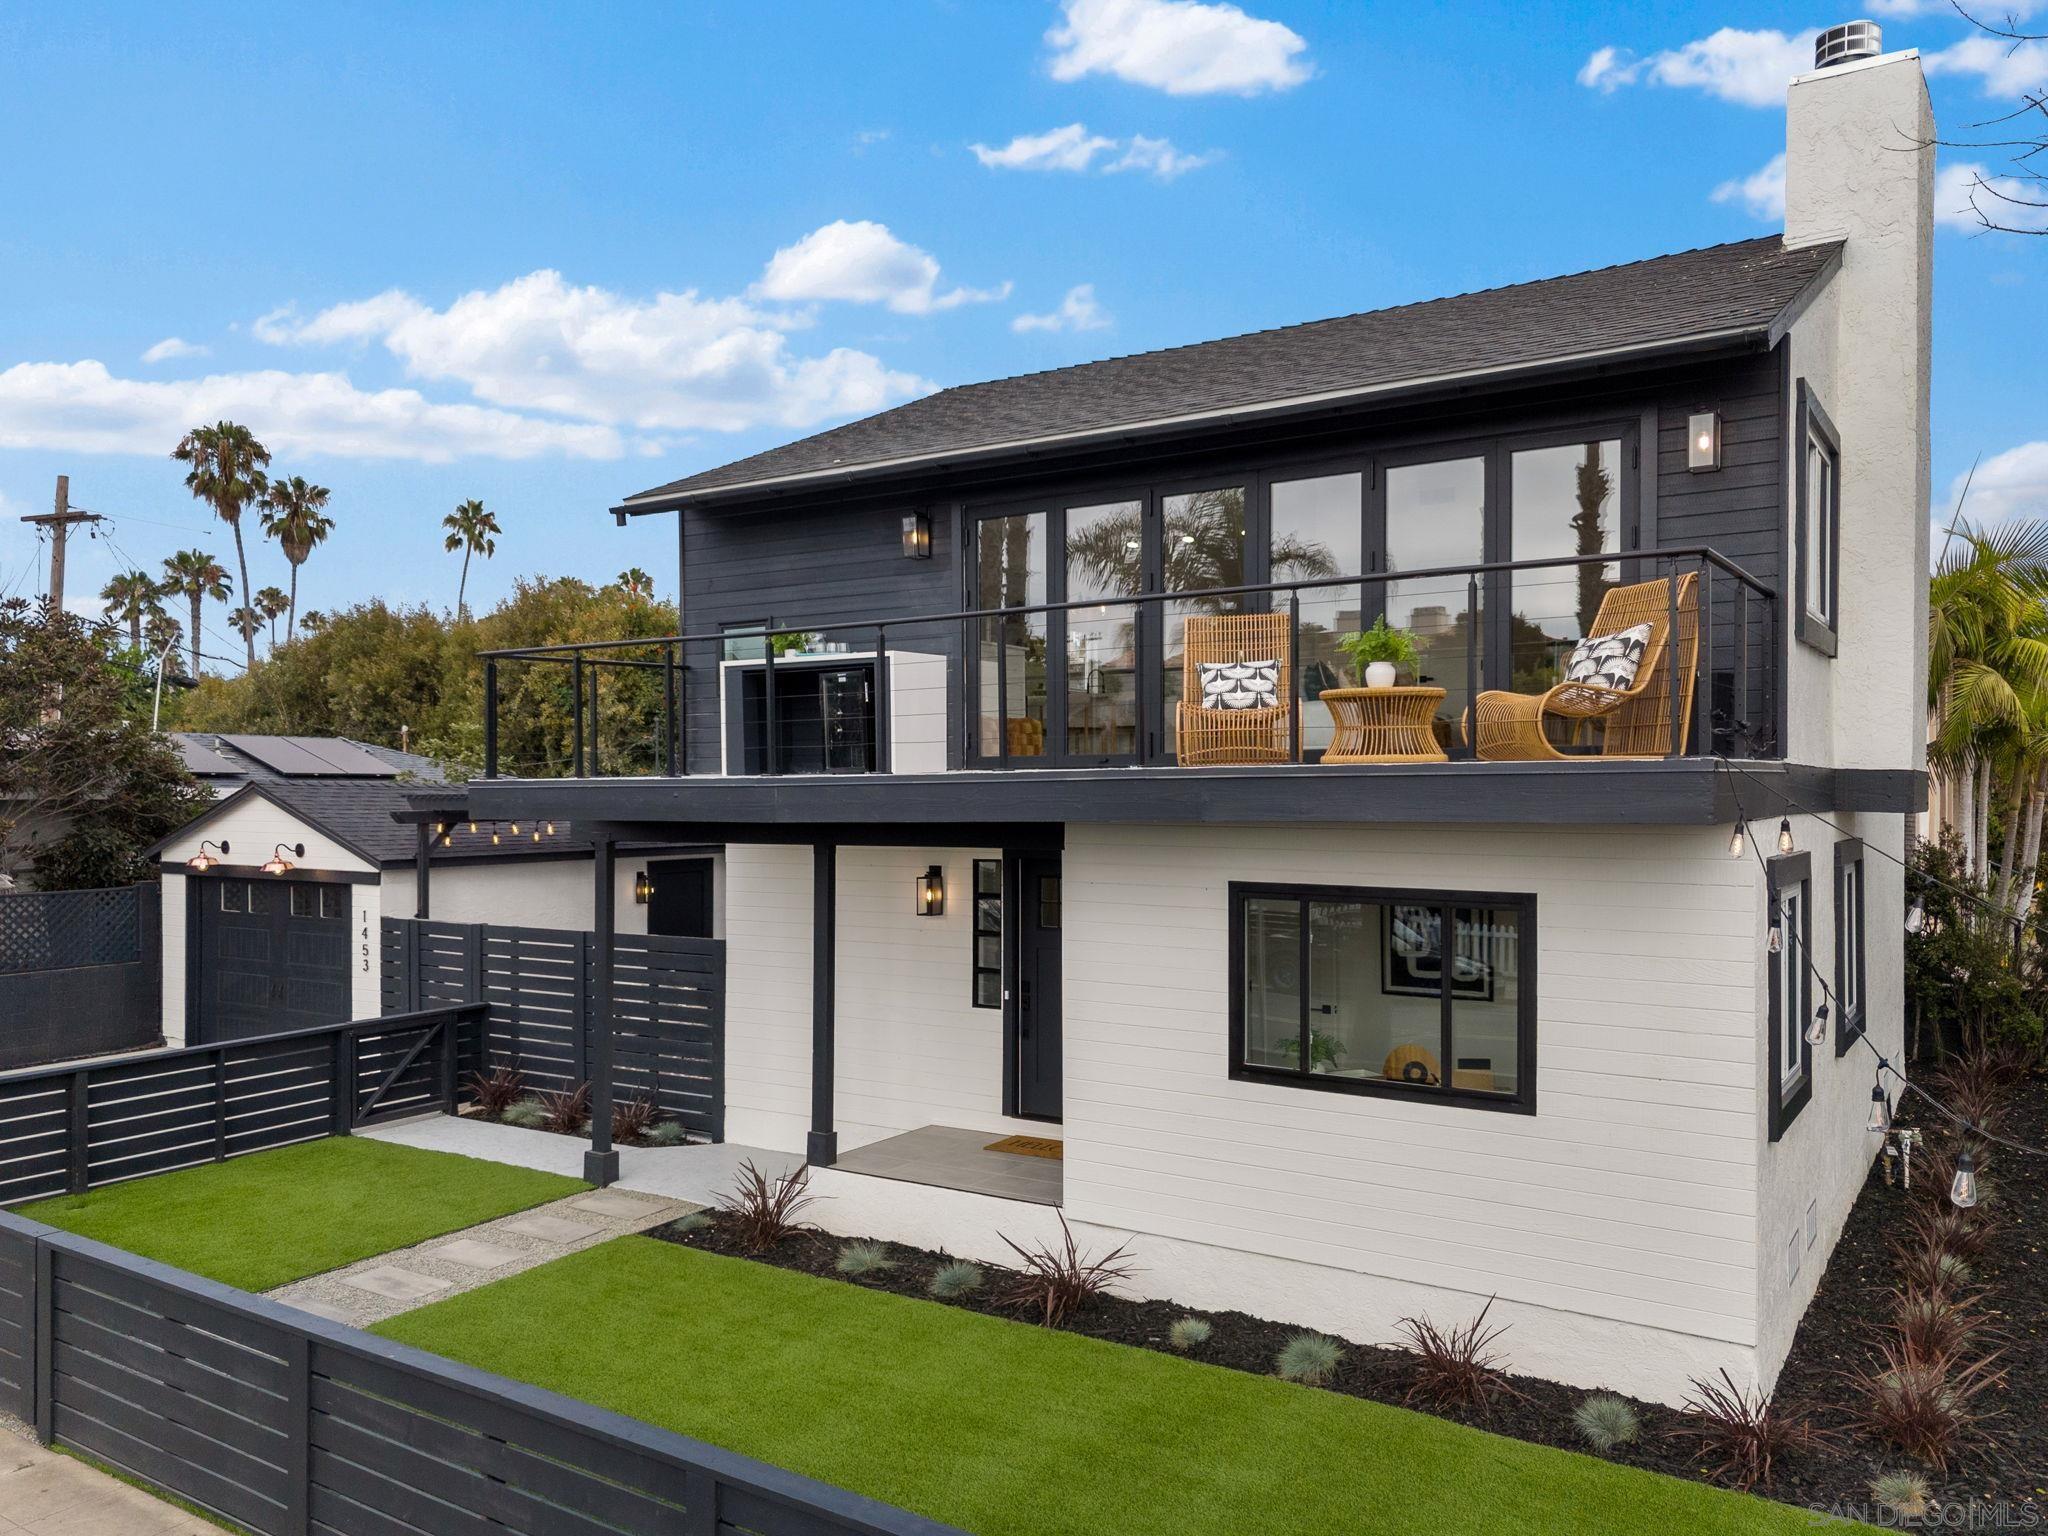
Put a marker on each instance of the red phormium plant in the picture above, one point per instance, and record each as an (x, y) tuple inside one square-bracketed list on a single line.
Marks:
[(1058, 1282), (496, 1090), (1741, 1433), (568, 1111), (762, 1211), (634, 1119), (1456, 1367), (1923, 1403)]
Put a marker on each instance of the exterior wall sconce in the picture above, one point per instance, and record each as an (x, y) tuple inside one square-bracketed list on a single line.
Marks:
[(931, 892), (202, 861), (917, 536), (643, 888), (1703, 441), (277, 863)]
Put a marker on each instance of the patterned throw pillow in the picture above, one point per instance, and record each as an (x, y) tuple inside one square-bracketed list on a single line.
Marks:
[(1240, 684), (1609, 661)]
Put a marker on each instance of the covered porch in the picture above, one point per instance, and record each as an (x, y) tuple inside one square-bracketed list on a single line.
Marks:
[(949, 1157)]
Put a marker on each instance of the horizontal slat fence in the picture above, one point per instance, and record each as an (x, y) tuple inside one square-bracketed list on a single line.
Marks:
[(668, 1010), (68, 1129), (287, 1424)]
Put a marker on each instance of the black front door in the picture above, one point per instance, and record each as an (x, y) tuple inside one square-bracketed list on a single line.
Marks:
[(270, 955), (1038, 987), (679, 898)]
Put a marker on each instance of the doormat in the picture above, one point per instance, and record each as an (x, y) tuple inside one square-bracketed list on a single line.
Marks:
[(1029, 1146)]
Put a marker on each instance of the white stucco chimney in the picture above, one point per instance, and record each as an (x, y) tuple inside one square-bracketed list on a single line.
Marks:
[(1859, 167)]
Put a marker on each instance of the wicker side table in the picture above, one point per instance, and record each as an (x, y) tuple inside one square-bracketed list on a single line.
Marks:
[(1384, 725)]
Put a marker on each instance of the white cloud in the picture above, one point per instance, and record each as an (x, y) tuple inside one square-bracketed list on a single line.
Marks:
[(860, 262), (1074, 148), (2012, 484), (1078, 311), (1762, 191), (84, 408), (675, 362), (2002, 68), (1751, 69), (174, 347), (1969, 196), (1182, 47)]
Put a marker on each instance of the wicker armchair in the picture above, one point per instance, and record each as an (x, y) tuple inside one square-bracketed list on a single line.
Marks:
[(1635, 722), (1207, 737)]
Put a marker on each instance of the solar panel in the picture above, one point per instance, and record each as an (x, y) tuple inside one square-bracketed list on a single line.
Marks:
[(204, 762), (312, 757)]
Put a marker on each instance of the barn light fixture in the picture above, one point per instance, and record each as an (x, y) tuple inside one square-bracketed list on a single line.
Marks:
[(643, 888), (202, 861), (931, 892), (277, 863), (1703, 441), (917, 536)]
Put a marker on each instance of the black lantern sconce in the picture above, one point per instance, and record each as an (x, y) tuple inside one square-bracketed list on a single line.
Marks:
[(917, 536), (643, 888), (277, 863), (1703, 441), (202, 861), (931, 892)]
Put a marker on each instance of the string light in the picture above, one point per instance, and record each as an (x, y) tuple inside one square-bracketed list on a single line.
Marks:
[(1738, 843), (515, 829), (551, 829), (1817, 1027), (1775, 943), (1880, 1110), (1916, 916), (495, 839), (1785, 834), (472, 829), (1962, 1189)]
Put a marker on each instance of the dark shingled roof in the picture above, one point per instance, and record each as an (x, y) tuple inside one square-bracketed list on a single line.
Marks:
[(1664, 301)]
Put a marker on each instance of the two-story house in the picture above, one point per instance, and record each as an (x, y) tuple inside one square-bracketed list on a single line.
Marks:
[(1056, 798)]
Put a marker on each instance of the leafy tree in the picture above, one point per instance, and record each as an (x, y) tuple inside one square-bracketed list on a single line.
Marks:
[(132, 597), (294, 515), (80, 757), (227, 474), (271, 602), (197, 576), (1966, 983), (472, 530)]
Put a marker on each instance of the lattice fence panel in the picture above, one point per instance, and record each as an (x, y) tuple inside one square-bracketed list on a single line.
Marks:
[(60, 930)]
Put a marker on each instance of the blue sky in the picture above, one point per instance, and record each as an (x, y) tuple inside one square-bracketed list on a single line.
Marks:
[(549, 256)]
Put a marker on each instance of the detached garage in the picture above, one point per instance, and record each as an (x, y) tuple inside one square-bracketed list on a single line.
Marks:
[(272, 898)]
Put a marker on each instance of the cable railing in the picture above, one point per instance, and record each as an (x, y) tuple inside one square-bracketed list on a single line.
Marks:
[(1733, 692)]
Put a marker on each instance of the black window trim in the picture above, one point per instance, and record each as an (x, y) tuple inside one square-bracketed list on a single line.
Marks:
[(976, 970), (1521, 1102), (1849, 854), (1787, 871), (1812, 421)]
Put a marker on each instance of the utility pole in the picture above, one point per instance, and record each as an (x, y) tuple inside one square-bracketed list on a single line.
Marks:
[(59, 522)]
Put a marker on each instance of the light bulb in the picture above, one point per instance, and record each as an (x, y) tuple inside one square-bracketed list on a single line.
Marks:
[(515, 829), (1738, 843), (1776, 942), (551, 829), (494, 837), (1817, 1027), (1785, 834), (472, 829), (1916, 916), (1962, 1189), (1880, 1112)]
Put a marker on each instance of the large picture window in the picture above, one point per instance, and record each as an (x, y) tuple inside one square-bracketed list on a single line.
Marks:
[(1791, 983), (1850, 1008), (1428, 994)]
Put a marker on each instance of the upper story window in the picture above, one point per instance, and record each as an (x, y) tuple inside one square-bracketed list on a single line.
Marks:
[(1424, 994), (1851, 1008), (1817, 523), (1791, 987)]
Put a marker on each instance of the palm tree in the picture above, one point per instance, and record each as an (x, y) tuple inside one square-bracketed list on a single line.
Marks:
[(131, 597), (227, 474), (270, 602), (198, 576), (314, 620), (292, 515), (636, 582), (470, 529), (163, 633)]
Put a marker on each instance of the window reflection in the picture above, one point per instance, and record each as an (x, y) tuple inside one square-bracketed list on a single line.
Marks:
[(1105, 546), (1436, 516), (1566, 501), (1202, 545), (1318, 529), (1010, 553)]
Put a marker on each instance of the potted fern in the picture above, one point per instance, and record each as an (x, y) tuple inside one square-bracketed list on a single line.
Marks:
[(1379, 653)]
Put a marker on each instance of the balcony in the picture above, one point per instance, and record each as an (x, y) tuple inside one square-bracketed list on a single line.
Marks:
[(850, 719)]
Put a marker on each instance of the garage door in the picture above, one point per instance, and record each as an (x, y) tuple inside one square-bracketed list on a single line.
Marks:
[(272, 955)]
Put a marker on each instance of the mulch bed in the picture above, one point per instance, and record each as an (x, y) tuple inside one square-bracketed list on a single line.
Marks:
[(2001, 1472)]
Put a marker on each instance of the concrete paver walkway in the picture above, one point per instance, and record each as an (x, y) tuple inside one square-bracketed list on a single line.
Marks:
[(44, 1494), (373, 1289)]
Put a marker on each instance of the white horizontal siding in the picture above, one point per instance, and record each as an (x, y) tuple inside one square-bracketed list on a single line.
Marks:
[(1630, 1195)]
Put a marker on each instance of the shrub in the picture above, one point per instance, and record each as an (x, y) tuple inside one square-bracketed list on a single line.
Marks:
[(528, 1114), (632, 1120), (666, 1133), (763, 1210), (1930, 1269), (567, 1111), (863, 1259), (1309, 1358), (1936, 1225), (1923, 1404), (1188, 1334), (1904, 1494), (1935, 1322), (1605, 1421), (955, 1279), (497, 1090), (1057, 1282), (1979, 1086), (1741, 1433), (1455, 1368), (693, 1221)]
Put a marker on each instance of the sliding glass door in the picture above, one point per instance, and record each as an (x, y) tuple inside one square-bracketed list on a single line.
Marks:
[(1201, 544), (1012, 686), (1104, 546), (1315, 529), (1434, 515)]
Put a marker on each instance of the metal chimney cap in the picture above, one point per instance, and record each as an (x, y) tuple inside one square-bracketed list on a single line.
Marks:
[(1850, 41)]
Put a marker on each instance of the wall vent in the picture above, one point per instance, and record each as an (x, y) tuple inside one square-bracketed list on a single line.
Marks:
[(1850, 41)]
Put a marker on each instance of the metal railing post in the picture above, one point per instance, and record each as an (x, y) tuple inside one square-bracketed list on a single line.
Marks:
[(1003, 690), (576, 716), (879, 745), (668, 710), (491, 719), (591, 762), (1703, 667), (1472, 665), (1289, 683), (1676, 702), (772, 755), (1742, 679)]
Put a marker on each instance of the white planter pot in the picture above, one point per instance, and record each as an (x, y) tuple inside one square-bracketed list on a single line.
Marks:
[(1379, 674)]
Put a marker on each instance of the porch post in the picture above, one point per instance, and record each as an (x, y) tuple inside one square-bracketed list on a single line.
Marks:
[(822, 1149), (423, 844), (601, 1162)]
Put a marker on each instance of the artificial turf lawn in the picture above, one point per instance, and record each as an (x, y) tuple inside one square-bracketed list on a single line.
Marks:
[(1011, 1430), (273, 1217)]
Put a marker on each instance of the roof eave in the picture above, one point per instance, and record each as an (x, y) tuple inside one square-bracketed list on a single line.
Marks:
[(1734, 339)]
